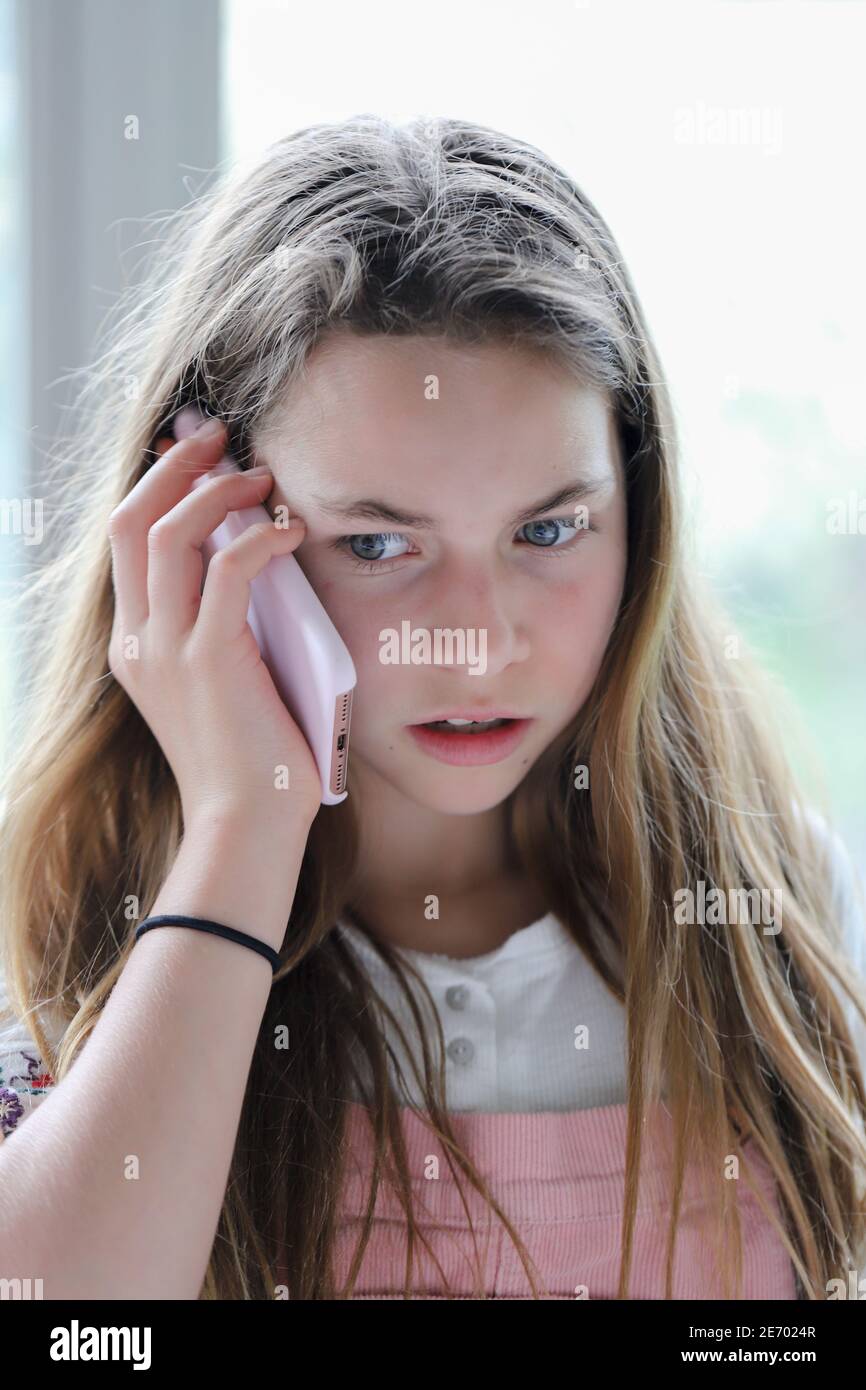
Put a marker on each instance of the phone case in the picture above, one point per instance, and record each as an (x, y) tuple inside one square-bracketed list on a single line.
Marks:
[(307, 658)]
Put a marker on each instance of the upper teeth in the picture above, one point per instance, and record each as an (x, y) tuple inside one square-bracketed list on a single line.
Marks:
[(471, 721)]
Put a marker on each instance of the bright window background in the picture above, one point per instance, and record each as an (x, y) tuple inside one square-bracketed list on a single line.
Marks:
[(722, 143), (12, 331)]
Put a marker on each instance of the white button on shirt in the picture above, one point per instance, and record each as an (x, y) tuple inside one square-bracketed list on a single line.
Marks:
[(529, 1026), (532, 1026)]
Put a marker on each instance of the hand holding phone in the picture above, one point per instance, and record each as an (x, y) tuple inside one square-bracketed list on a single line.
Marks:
[(307, 659), (185, 654)]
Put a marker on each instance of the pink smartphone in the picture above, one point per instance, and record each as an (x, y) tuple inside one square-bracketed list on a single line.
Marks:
[(307, 658)]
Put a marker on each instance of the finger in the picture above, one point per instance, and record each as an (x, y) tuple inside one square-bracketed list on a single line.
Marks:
[(163, 485), (175, 562), (226, 598)]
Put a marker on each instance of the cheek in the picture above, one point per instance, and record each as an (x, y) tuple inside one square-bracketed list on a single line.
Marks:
[(572, 631), (600, 602), (358, 622)]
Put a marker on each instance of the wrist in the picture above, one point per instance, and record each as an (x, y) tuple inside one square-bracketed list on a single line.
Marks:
[(246, 821), (237, 871)]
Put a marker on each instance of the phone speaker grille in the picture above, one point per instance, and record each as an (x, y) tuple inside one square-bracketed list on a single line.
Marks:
[(340, 749)]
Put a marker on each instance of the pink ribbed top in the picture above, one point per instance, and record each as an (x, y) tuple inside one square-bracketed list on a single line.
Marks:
[(560, 1177)]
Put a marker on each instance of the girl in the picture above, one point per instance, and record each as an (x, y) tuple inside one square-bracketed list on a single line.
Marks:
[(570, 1009)]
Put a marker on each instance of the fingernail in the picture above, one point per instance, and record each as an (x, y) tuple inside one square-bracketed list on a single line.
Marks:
[(261, 470), (210, 429)]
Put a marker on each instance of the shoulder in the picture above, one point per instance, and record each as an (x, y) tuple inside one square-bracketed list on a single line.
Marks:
[(24, 1078), (849, 913), (846, 889)]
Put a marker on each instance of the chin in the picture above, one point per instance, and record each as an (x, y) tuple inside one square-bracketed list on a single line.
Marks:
[(457, 791), (466, 804), (449, 791)]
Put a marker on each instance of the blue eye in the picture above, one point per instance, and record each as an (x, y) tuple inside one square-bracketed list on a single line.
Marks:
[(374, 542), (541, 526), (366, 550)]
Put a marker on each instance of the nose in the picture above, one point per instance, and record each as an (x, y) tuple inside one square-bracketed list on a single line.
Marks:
[(478, 599)]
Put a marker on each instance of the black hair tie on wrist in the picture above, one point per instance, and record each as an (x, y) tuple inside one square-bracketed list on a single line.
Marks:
[(202, 924)]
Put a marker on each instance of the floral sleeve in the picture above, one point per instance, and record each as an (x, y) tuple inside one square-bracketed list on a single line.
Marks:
[(24, 1078)]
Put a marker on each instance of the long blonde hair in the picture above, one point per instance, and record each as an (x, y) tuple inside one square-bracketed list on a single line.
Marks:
[(446, 227)]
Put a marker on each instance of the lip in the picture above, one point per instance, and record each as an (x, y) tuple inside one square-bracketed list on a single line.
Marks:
[(471, 750), (481, 716)]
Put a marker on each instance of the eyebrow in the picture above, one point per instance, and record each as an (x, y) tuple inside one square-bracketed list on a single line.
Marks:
[(373, 510)]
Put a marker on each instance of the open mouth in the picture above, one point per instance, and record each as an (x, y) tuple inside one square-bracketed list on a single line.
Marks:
[(469, 742), (466, 726)]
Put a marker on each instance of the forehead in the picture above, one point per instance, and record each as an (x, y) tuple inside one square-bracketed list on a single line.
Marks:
[(375, 408)]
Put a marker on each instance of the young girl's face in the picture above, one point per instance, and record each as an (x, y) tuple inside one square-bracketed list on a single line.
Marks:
[(475, 440)]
